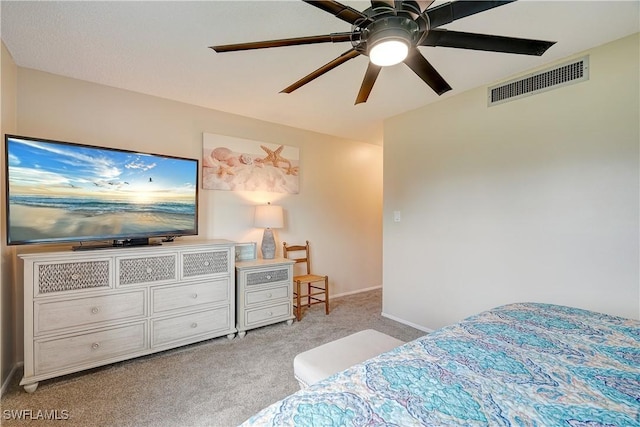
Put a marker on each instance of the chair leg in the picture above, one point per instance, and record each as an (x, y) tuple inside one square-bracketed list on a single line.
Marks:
[(309, 295), (298, 307), (326, 294)]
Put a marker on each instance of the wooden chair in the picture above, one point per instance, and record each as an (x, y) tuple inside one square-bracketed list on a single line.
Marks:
[(316, 285)]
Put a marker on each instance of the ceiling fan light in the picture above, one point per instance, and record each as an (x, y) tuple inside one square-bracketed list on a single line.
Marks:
[(389, 52), (389, 39)]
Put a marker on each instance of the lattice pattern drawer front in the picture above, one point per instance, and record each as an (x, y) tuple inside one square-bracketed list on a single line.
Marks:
[(146, 270), (196, 264), (269, 276), (72, 276)]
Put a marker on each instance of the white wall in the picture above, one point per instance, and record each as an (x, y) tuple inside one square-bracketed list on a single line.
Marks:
[(532, 200), (338, 209)]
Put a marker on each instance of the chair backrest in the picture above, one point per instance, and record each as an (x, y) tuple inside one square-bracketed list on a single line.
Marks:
[(297, 253)]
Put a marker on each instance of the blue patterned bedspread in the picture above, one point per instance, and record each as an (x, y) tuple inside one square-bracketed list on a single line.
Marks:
[(516, 365)]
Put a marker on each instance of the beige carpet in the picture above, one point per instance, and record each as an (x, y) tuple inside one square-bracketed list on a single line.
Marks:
[(219, 382)]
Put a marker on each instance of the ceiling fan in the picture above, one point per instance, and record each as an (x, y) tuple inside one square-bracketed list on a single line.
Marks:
[(390, 31)]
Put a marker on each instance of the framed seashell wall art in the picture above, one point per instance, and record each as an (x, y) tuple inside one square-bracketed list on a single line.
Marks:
[(237, 164)]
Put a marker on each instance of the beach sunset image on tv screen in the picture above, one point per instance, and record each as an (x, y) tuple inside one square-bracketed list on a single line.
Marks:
[(60, 191)]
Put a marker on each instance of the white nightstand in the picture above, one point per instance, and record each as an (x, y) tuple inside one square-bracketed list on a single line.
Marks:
[(264, 293)]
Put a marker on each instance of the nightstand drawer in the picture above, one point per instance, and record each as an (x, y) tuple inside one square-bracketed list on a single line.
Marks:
[(56, 315), (267, 294), (89, 348), (183, 296), (267, 276), (269, 314), (191, 325)]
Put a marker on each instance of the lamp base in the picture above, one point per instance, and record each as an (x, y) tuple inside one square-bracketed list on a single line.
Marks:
[(268, 246)]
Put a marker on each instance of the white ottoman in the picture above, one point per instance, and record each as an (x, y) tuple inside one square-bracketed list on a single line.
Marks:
[(323, 361)]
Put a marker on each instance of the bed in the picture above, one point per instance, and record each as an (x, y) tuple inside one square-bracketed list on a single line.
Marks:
[(526, 364)]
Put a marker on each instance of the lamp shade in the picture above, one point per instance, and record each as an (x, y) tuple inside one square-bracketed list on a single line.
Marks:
[(268, 216)]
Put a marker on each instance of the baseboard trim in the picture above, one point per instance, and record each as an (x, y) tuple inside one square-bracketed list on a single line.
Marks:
[(388, 316), (405, 322), (344, 294), (7, 381)]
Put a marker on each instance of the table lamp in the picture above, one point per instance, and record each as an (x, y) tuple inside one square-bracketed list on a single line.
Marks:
[(268, 217)]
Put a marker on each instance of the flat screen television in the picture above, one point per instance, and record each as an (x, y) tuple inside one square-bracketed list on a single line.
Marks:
[(67, 192)]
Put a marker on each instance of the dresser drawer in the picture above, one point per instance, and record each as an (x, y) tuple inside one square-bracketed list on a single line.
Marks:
[(71, 276), (191, 325), (198, 264), (147, 270), (265, 295), (271, 275), (182, 296), (89, 348), (269, 314), (56, 315)]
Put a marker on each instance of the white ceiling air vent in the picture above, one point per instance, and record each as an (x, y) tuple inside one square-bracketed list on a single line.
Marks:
[(561, 75)]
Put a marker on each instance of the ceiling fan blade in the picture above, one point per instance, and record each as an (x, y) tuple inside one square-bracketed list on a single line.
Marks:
[(420, 5), (390, 4), (350, 54), (486, 42), (451, 11), (426, 72), (409, 7), (398, 4), (367, 83), (424, 4), (329, 38), (340, 11)]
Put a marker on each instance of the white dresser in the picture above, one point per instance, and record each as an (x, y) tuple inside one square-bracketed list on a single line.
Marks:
[(264, 293), (89, 308)]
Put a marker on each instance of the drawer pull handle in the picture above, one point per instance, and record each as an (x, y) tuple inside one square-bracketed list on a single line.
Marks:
[(269, 295), (149, 270), (195, 296), (95, 310), (95, 346), (75, 277), (194, 325), (269, 313), (268, 277), (207, 263)]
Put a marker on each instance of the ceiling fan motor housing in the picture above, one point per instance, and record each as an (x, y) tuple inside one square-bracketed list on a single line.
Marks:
[(388, 28)]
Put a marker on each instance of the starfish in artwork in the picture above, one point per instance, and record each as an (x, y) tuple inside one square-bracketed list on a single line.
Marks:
[(293, 170), (274, 157), (224, 170)]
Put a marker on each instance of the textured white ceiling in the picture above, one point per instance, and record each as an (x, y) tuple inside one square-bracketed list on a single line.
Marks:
[(161, 49)]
